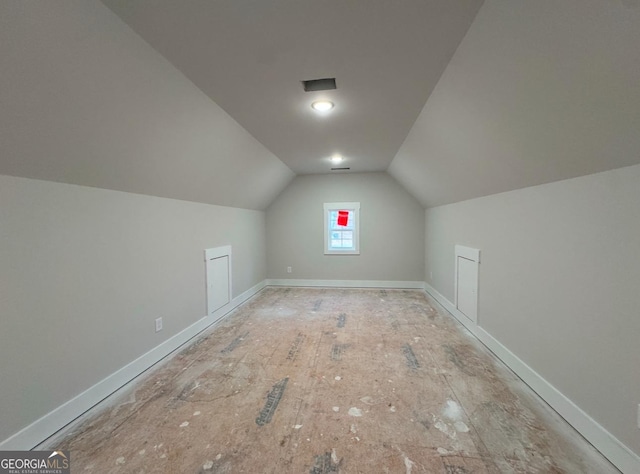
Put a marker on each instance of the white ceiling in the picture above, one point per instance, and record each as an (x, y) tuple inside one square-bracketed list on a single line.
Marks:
[(249, 57)]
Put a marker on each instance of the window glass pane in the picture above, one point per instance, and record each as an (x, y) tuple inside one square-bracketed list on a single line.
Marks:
[(341, 238)]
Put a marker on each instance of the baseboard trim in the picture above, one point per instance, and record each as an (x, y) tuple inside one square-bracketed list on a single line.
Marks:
[(613, 449), (391, 284), (54, 421)]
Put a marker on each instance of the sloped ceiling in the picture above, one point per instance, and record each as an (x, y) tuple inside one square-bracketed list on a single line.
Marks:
[(250, 57), (201, 100), (537, 92), (84, 100)]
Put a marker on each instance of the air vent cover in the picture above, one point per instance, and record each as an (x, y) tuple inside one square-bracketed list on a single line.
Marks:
[(326, 84)]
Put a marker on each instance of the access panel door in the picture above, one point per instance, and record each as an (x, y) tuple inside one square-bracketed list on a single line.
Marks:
[(218, 263), (468, 288), (467, 266)]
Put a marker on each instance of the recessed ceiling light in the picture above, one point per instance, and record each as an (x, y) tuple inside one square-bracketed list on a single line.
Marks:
[(336, 159), (322, 105)]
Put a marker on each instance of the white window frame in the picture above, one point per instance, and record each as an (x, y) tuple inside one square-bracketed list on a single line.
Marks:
[(342, 206)]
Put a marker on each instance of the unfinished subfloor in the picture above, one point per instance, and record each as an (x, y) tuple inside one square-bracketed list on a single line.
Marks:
[(329, 380)]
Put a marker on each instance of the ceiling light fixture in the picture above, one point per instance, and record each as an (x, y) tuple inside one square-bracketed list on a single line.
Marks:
[(322, 105), (336, 159)]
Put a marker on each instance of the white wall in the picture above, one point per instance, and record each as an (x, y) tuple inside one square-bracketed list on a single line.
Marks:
[(84, 273), (391, 230), (84, 100), (559, 281)]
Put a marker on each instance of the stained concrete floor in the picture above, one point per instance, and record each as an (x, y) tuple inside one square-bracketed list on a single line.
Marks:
[(324, 381)]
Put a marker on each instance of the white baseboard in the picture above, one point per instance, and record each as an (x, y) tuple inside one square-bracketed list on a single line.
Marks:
[(45, 427), (413, 285), (613, 449)]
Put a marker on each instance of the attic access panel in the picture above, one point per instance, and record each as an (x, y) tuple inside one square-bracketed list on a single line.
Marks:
[(466, 281), (326, 84)]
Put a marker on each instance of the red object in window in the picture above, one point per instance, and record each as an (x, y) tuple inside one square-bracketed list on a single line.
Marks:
[(343, 218)]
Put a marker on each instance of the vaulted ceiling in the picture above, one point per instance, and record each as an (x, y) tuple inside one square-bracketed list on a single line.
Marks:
[(535, 92), (250, 58), (202, 100)]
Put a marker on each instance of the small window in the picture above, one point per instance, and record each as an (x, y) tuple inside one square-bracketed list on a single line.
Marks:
[(342, 228)]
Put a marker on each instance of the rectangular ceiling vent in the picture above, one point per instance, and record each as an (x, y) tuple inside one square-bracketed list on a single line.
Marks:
[(340, 169), (326, 84)]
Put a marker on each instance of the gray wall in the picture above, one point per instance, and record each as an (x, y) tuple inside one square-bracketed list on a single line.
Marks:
[(559, 281), (391, 227), (536, 93), (84, 273)]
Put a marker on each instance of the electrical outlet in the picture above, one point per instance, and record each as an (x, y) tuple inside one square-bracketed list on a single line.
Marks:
[(158, 324), (289, 270)]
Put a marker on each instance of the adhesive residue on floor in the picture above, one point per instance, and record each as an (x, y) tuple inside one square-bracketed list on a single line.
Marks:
[(326, 381)]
